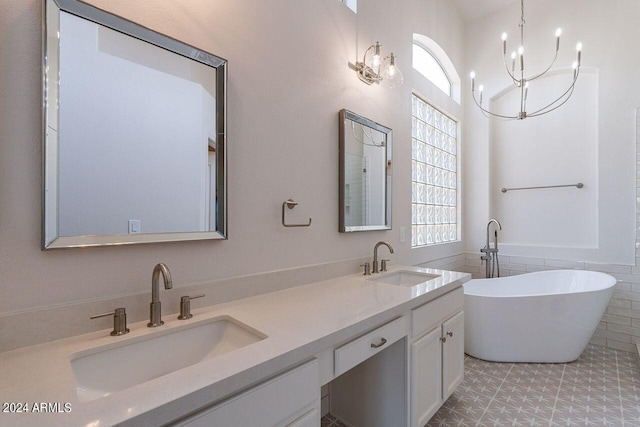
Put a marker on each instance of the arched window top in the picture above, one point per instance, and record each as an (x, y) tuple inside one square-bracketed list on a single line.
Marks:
[(429, 67), (430, 60)]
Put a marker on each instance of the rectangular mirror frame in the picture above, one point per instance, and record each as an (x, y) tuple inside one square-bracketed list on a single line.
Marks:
[(51, 12), (348, 115)]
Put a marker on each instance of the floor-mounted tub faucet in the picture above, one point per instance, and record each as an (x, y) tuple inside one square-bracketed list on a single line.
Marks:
[(491, 261), (155, 317), (375, 255)]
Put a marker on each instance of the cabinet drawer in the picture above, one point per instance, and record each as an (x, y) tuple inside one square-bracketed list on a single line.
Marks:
[(360, 349), (425, 317), (267, 404)]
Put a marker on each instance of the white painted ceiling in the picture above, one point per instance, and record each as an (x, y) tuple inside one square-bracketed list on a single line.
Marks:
[(474, 9)]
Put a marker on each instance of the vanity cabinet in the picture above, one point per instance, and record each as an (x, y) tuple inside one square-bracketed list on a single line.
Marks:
[(291, 399), (437, 355)]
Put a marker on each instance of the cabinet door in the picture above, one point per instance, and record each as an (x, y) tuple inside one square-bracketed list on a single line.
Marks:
[(426, 377), (452, 354)]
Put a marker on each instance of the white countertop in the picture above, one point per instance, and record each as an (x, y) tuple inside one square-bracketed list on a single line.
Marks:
[(299, 322)]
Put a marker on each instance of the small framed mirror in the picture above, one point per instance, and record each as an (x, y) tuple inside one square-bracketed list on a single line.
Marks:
[(134, 145), (365, 174)]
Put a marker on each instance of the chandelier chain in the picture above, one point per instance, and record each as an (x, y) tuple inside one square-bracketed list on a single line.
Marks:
[(522, 22)]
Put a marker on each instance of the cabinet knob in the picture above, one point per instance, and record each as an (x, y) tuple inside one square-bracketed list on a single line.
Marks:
[(450, 334), (443, 339)]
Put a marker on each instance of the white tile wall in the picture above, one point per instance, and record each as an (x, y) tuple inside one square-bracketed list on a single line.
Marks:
[(455, 263)]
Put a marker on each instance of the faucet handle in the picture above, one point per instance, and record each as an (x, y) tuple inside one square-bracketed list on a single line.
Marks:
[(383, 264), (185, 306), (119, 320), (367, 269)]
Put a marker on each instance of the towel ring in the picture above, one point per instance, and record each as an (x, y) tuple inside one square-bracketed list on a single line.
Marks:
[(291, 204)]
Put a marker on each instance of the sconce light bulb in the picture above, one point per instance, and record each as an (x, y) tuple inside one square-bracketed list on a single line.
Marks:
[(376, 55), (558, 32), (472, 75), (578, 46), (391, 75), (521, 50), (513, 55), (481, 88), (574, 65), (504, 37), (392, 65)]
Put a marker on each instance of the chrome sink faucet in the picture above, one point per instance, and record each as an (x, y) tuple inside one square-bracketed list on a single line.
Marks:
[(155, 318), (375, 255)]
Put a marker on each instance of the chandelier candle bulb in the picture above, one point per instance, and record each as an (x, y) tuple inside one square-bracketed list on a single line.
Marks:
[(558, 32), (579, 49), (521, 55), (504, 43)]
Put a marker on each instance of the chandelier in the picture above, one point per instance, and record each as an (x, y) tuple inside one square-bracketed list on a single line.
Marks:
[(521, 81)]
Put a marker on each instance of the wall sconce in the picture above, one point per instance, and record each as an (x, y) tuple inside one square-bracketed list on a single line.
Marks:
[(375, 69)]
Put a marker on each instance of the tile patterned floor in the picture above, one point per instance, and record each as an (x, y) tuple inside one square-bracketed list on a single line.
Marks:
[(331, 421), (601, 388)]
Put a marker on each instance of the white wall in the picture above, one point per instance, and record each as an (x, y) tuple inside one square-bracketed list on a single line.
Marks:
[(607, 30), (288, 79), (554, 149)]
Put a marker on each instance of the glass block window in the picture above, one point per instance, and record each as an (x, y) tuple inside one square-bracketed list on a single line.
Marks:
[(434, 177), (351, 4)]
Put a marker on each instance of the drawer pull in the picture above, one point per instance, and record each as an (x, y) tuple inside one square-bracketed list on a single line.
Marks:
[(382, 342)]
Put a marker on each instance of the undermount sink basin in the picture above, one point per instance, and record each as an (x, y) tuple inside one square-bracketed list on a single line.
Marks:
[(405, 278), (101, 371)]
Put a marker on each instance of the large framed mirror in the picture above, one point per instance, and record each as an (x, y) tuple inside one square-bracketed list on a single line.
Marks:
[(134, 146), (365, 174)]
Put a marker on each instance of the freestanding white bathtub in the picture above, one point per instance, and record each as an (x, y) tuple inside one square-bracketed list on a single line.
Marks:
[(543, 317)]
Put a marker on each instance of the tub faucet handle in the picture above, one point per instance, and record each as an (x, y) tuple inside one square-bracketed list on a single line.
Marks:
[(119, 320)]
